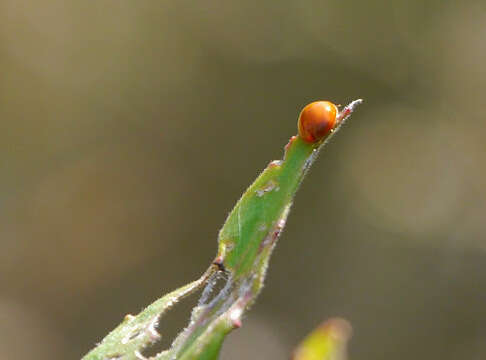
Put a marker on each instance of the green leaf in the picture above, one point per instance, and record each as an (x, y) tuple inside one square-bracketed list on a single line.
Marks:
[(326, 342), (246, 242), (136, 332)]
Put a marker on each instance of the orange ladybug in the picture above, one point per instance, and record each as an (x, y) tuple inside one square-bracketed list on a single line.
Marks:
[(316, 120)]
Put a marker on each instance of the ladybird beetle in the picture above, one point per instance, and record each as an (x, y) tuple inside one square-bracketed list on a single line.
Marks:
[(316, 120)]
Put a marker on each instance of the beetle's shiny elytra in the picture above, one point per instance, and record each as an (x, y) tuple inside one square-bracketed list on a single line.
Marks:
[(316, 120)]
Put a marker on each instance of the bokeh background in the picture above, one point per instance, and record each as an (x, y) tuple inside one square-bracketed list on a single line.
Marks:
[(128, 130)]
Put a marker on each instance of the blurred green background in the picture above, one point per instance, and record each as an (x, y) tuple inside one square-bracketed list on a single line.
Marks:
[(128, 130)]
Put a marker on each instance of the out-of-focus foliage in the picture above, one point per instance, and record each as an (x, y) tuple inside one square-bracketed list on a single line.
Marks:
[(326, 342), (107, 107)]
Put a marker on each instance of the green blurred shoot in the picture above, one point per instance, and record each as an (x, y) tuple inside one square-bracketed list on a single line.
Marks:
[(246, 242), (327, 342)]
